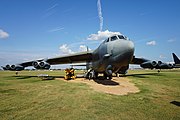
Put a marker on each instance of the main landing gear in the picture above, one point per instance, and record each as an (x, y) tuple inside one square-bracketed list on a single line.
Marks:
[(91, 74)]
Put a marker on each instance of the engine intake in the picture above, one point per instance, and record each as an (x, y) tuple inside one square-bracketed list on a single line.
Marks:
[(8, 67), (14, 67), (44, 65), (149, 64), (36, 64), (41, 65), (162, 65)]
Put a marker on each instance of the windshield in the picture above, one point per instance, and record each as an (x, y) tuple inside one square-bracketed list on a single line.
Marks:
[(113, 38), (121, 37)]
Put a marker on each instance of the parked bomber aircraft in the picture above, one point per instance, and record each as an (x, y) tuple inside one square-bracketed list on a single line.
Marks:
[(112, 56), (176, 61)]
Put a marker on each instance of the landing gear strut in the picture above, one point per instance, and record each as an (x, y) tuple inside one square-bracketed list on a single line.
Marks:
[(91, 74)]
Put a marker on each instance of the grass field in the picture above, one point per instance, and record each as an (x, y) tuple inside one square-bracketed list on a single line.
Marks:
[(28, 97)]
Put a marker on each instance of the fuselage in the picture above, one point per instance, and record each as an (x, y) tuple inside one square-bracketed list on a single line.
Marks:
[(113, 54)]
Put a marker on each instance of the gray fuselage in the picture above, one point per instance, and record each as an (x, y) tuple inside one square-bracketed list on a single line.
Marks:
[(113, 54)]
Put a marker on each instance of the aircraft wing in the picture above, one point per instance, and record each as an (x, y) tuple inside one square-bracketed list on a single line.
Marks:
[(145, 63), (73, 58), (138, 61), (26, 64), (45, 63)]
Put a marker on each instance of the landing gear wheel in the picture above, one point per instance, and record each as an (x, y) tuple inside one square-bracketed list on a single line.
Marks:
[(108, 77), (90, 76), (95, 75)]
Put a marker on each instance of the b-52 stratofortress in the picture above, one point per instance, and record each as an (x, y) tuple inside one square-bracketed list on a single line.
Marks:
[(112, 56)]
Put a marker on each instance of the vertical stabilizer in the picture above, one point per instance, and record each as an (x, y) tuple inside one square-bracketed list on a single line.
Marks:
[(176, 59)]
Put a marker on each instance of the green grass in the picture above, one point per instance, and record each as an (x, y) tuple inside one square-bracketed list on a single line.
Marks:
[(27, 97)]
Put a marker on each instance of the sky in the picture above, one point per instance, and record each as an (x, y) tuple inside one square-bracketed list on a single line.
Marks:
[(33, 29)]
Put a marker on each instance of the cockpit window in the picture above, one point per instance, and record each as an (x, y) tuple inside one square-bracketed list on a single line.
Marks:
[(113, 38), (107, 40), (121, 37)]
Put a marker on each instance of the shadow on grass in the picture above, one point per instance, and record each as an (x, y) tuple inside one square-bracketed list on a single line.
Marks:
[(103, 81), (100, 80), (144, 75), (175, 103), (9, 91), (24, 77), (43, 78)]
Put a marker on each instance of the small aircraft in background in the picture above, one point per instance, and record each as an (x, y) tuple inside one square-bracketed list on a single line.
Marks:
[(176, 61), (112, 56)]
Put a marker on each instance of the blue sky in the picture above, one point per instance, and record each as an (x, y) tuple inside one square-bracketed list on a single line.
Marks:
[(33, 29)]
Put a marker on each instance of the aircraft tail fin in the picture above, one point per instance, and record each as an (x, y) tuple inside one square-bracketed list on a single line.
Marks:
[(176, 59)]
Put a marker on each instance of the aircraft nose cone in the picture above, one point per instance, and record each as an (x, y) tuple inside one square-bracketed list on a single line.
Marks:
[(125, 53), (131, 46)]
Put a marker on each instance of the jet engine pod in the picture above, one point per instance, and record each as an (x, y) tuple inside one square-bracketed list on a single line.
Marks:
[(154, 63), (159, 62), (162, 65), (17, 67), (149, 64), (8, 67), (13, 67), (170, 65), (44, 65), (41, 65), (35, 64)]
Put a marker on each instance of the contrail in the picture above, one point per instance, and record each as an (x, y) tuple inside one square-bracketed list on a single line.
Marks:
[(100, 14)]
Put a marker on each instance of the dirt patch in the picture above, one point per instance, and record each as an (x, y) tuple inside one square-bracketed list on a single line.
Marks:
[(116, 86)]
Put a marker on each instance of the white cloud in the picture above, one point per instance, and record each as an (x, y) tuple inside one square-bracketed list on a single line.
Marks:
[(162, 57), (151, 43), (83, 48), (50, 11), (3, 34), (52, 7), (65, 49), (13, 57), (56, 29), (101, 35), (171, 40)]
